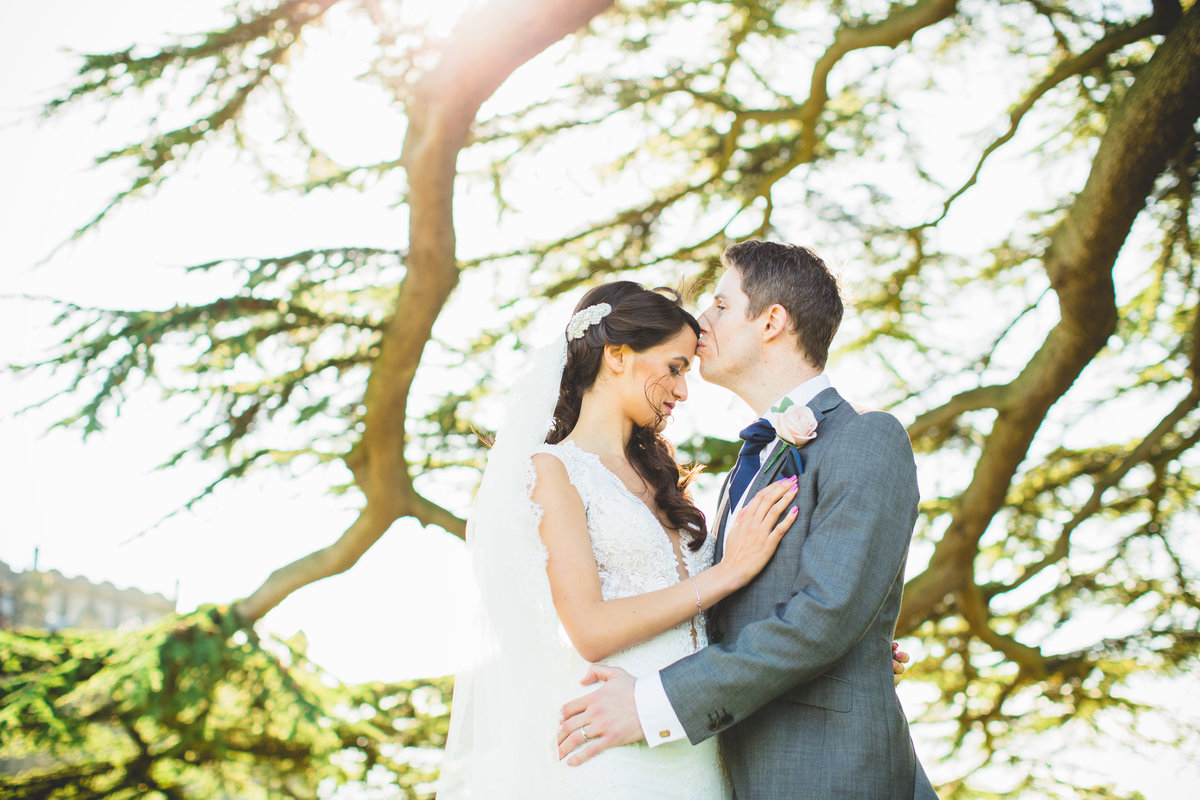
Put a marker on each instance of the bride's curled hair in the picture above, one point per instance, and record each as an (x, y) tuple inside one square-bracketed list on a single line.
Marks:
[(642, 319)]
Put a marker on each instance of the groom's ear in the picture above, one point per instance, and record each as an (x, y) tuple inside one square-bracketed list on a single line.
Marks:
[(776, 322)]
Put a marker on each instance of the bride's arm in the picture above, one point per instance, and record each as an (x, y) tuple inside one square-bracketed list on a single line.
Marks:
[(598, 627)]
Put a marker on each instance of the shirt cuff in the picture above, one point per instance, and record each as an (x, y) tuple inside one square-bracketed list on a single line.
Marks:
[(660, 724)]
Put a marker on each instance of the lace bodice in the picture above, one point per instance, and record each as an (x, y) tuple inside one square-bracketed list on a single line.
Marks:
[(633, 554), (508, 697)]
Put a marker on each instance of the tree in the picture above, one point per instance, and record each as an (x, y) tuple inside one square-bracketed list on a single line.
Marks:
[(194, 706), (998, 336)]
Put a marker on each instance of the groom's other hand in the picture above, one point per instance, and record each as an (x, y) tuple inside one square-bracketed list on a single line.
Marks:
[(602, 719), (899, 659)]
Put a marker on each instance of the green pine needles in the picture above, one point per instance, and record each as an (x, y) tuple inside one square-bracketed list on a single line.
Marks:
[(195, 706)]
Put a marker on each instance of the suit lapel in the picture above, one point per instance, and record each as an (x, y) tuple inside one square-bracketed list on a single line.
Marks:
[(823, 403), (765, 476), (820, 405), (722, 507)]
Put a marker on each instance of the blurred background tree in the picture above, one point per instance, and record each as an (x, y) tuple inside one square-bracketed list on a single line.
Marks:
[(1010, 187), (198, 706)]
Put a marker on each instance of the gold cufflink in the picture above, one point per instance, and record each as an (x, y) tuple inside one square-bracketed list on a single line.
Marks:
[(664, 734)]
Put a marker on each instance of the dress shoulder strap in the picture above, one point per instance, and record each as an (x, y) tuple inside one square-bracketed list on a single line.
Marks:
[(580, 466)]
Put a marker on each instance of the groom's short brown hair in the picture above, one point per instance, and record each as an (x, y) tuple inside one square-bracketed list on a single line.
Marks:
[(796, 278)]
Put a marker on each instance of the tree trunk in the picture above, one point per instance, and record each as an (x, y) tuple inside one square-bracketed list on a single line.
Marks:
[(1145, 132), (482, 52)]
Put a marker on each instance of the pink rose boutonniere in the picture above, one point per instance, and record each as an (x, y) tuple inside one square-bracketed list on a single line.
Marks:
[(796, 425)]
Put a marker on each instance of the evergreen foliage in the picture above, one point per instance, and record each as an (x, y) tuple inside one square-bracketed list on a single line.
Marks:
[(1046, 363), (196, 706)]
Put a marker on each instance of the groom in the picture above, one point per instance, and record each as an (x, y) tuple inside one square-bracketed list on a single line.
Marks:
[(796, 679)]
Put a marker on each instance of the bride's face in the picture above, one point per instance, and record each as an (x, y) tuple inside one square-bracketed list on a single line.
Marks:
[(655, 380)]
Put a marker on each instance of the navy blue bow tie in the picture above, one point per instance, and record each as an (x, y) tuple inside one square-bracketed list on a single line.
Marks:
[(757, 436)]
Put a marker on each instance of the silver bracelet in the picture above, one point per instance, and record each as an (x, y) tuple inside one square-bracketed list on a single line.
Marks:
[(699, 605)]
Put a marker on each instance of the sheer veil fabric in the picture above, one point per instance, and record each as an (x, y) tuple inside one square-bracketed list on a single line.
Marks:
[(502, 741)]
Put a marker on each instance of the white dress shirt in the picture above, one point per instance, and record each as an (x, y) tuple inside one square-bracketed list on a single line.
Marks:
[(660, 724)]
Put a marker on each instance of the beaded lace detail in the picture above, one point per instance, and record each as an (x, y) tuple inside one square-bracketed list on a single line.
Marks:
[(633, 554)]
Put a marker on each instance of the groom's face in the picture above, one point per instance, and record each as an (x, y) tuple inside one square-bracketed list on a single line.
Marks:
[(729, 342)]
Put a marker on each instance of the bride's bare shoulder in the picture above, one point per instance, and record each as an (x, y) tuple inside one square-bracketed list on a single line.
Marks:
[(548, 465)]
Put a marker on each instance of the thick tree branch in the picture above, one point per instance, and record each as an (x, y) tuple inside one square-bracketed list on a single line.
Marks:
[(1142, 453), (1145, 132), (936, 420), (900, 25), (481, 53), (1091, 58), (975, 611)]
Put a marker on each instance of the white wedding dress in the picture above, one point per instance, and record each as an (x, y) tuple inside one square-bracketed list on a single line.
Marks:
[(634, 556), (502, 742)]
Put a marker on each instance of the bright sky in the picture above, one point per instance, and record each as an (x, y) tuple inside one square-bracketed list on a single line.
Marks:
[(80, 502)]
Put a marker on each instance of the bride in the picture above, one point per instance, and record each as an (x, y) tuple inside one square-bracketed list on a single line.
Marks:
[(585, 547)]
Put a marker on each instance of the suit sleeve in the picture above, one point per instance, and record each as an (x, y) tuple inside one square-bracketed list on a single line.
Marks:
[(856, 545)]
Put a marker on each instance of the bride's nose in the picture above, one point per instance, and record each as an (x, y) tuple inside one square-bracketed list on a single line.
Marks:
[(681, 389)]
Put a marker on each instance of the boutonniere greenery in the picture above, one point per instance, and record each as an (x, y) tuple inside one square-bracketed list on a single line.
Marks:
[(796, 426)]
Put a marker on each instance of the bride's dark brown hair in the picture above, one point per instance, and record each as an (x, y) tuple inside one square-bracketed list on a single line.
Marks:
[(641, 319)]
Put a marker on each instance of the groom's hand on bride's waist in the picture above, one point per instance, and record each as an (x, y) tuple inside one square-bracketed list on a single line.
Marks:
[(899, 657), (602, 719)]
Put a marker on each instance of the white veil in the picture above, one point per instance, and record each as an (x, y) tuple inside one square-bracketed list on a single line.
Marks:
[(502, 741)]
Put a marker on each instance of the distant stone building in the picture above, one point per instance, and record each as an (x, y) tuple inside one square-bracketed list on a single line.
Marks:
[(50, 601)]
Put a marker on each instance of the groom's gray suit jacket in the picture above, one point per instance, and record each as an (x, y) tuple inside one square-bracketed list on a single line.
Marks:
[(798, 678)]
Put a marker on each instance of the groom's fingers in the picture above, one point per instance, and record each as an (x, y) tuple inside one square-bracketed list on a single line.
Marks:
[(572, 711), (570, 726), (577, 748), (604, 718), (574, 708), (570, 738), (599, 672), (583, 754)]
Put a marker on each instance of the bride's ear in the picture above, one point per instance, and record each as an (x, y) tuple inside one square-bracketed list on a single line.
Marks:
[(616, 357)]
